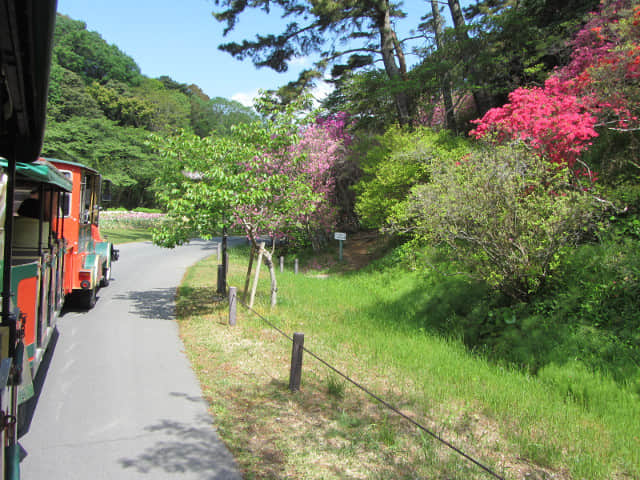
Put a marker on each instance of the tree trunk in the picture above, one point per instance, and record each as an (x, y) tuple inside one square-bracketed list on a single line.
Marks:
[(247, 279), (268, 260), (257, 277), (456, 14), (482, 100), (446, 85), (391, 51)]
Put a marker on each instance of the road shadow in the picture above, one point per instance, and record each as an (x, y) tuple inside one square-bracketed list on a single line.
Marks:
[(160, 303), (27, 409), (156, 304), (185, 448)]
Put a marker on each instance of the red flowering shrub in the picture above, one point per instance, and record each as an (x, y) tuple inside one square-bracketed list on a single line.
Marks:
[(548, 119), (599, 88)]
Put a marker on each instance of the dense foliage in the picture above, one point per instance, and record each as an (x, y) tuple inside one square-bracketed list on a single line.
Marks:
[(274, 178), (506, 215), (397, 161)]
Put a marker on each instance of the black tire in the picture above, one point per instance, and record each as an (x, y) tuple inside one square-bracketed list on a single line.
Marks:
[(106, 277), (87, 299)]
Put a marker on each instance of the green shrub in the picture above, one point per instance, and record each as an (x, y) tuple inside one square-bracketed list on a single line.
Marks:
[(396, 162), (506, 215)]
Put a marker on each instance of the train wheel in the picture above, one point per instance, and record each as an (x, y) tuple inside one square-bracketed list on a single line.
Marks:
[(87, 298), (106, 278)]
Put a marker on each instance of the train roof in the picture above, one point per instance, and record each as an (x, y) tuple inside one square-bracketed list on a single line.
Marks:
[(73, 164), (26, 34), (41, 172)]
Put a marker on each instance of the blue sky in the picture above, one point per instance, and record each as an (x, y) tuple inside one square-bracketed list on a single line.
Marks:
[(180, 39)]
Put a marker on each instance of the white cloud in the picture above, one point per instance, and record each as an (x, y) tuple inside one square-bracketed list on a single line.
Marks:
[(300, 62), (321, 90), (319, 93), (245, 98)]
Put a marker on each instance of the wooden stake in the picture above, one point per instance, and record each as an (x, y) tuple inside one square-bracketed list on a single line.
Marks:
[(296, 362)]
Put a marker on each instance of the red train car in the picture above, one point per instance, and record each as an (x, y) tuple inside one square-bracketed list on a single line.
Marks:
[(88, 257)]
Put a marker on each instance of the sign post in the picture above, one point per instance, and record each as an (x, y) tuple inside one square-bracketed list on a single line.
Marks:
[(341, 237)]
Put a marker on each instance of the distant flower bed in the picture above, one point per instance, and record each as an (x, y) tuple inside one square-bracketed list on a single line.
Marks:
[(110, 219)]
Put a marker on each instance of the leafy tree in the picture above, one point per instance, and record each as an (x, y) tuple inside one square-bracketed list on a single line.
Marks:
[(68, 96), (505, 213), (171, 108), (366, 97), (368, 24), (88, 55), (516, 44), (121, 105), (253, 179), (118, 153), (224, 114)]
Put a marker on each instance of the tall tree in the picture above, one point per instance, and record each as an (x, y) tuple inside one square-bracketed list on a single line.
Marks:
[(483, 102), (438, 30), (365, 25)]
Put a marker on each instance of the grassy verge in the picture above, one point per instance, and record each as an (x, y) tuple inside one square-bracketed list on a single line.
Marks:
[(566, 422)]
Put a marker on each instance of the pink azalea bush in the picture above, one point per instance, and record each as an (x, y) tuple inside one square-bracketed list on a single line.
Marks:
[(599, 88)]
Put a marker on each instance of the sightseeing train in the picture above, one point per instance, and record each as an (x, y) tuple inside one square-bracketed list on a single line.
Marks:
[(55, 253), (51, 249)]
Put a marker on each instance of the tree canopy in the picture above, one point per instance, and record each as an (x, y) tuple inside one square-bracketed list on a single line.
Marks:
[(102, 109)]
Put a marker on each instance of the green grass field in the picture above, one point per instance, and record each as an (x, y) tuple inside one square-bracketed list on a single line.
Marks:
[(566, 421), (126, 227)]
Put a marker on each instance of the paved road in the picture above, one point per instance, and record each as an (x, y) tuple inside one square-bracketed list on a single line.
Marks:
[(119, 400)]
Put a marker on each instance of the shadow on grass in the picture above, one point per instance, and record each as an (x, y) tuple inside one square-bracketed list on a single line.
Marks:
[(350, 434), (554, 328), (196, 300)]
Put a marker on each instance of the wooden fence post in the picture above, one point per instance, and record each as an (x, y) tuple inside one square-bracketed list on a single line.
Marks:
[(296, 362), (281, 264), (222, 287), (233, 305), (295, 267)]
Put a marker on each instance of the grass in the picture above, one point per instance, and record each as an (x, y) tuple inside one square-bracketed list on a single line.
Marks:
[(121, 226), (564, 422), (126, 235)]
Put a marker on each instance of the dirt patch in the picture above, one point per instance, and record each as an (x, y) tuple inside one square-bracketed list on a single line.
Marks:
[(362, 248)]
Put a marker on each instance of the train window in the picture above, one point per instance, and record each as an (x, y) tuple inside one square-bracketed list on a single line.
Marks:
[(66, 196)]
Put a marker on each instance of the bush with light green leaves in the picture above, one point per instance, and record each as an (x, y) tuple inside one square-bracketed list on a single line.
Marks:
[(394, 163), (507, 215)]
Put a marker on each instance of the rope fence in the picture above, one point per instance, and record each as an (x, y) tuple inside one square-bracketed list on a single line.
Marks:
[(297, 342)]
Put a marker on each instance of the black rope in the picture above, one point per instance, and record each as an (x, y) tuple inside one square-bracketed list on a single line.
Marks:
[(376, 397)]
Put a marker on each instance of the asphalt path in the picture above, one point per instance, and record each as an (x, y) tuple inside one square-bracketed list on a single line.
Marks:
[(116, 396)]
